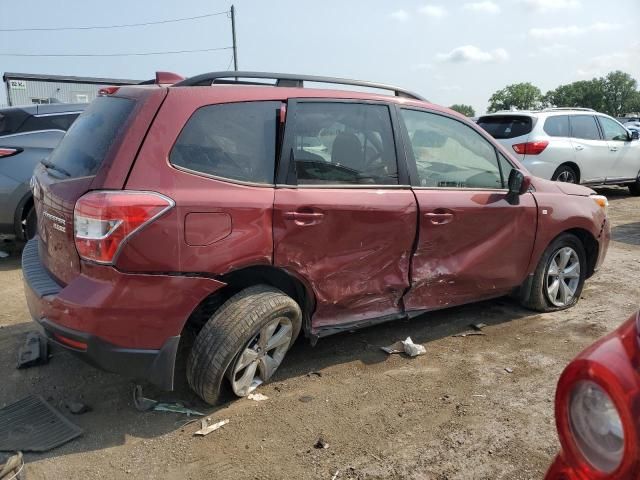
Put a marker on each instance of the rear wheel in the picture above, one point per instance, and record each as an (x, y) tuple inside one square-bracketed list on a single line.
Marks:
[(565, 173), (634, 188), (559, 277), (245, 341), (30, 224)]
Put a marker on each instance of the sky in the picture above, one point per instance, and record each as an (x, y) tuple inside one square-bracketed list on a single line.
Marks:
[(448, 51)]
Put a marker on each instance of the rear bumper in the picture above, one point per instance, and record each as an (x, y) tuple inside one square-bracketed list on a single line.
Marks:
[(123, 323)]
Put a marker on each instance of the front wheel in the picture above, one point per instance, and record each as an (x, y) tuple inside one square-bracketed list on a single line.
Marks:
[(559, 277), (634, 188), (245, 341)]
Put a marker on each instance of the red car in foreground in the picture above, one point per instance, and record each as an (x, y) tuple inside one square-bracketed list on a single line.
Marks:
[(243, 214), (598, 410)]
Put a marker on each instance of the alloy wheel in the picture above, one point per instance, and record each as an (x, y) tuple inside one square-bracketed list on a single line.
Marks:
[(563, 277), (261, 357)]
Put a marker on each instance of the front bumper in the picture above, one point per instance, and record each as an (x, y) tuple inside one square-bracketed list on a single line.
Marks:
[(123, 323)]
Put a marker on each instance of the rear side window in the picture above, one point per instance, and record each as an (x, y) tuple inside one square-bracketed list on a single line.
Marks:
[(557, 126), (236, 141), (344, 143), (584, 127), (506, 126), (11, 120), (86, 144), (48, 122)]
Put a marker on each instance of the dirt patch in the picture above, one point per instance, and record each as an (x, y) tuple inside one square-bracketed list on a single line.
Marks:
[(454, 413)]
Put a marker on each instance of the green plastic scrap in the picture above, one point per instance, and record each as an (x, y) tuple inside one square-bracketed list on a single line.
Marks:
[(176, 408)]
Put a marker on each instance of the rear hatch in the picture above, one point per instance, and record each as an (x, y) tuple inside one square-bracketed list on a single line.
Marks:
[(97, 152), (508, 129)]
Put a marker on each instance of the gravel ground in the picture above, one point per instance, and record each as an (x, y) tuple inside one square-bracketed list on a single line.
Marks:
[(454, 413)]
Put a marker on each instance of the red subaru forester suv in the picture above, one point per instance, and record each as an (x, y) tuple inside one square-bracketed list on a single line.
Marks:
[(245, 211)]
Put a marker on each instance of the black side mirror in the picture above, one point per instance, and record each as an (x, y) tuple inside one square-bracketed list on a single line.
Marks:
[(635, 135), (516, 183)]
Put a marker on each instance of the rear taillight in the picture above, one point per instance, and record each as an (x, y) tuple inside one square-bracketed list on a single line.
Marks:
[(7, 152), (104, 220), (530, 148)]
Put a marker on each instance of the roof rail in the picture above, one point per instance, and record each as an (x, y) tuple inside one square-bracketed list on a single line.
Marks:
[(582, 109), (286, 80)]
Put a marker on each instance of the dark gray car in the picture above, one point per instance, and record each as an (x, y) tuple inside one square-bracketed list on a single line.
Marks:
[(27, 136)]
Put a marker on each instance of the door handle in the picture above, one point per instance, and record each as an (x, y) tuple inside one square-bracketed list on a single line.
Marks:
[(579, 147), (304, 218), (439, 218), (614, 149)]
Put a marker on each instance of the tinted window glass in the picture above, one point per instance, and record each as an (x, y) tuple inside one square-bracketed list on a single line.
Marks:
[(584, 126), (557, 126), (84, 147), (11, 119), (48, 122), (506, 126), (505, 167), (234, 140), (449, 153), (344, 143), (612, 130)]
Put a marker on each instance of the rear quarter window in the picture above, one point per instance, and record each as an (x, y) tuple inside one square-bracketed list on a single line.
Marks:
[(506, 126), (236, 141), (90, 137), (557, 126)]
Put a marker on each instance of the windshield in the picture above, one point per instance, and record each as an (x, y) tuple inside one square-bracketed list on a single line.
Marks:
[(506, 126)]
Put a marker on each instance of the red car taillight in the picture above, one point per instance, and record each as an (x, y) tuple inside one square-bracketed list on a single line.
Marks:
[(7, 152), (104, 220), (530, 148), (596, 410)]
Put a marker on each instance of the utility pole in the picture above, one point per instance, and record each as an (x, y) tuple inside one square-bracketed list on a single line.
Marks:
[(233, 33)]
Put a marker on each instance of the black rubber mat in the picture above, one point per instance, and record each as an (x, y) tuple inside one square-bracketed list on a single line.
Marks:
[(33, 425)]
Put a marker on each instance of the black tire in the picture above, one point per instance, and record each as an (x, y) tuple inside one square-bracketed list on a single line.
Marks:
[(228, 332), (537, 298), (30, 224), (565, 173), (634, 188)]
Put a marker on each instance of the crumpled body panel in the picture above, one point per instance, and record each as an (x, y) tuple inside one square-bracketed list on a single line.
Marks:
[(354, 253)]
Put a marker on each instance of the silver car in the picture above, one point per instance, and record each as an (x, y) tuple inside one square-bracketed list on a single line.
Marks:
[(27, 136), (576, 145)]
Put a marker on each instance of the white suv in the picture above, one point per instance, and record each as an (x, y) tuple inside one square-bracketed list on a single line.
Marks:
[(576, 145)]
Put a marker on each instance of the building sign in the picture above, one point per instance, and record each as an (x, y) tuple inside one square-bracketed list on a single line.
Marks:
[(17, 84)]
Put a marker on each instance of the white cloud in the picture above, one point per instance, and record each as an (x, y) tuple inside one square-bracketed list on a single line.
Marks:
[(554, 50), (482, 7), (400, 15), (433, 11), (471, 53), (572, 30), (551, 5), (626, 60)]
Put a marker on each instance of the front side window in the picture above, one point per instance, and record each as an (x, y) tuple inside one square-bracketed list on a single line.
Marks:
[(584, 127), (344, 143), (612, 130), (233, 140), (450, 154), (557, 126)]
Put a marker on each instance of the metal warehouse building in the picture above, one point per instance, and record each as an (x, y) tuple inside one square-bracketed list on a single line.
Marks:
[(31, 88)]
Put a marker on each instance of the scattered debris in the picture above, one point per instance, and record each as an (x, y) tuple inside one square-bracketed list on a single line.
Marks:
[(78, 408), (258, 397), (12, 467), (405, 346), (376, 457), (34, 425), (3, 254), (35, 351), (335, 475), (206, 429), (479, 396), (306, 398), (508, 370), (478, 326), (317, 374), (469, 333), (176, 408), (321, 444)]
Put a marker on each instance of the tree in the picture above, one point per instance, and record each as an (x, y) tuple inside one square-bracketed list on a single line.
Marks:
[(585, 93), (522, 96), (463, 109), (620, 91)]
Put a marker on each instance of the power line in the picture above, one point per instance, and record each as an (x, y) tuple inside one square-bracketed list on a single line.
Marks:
[(102, 27), (133, 54)]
